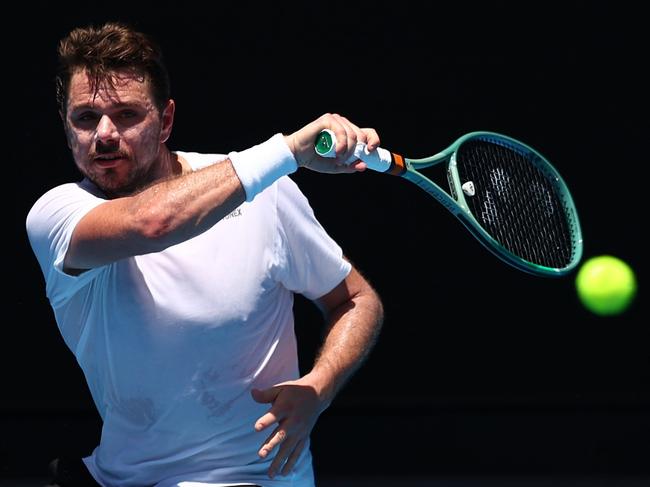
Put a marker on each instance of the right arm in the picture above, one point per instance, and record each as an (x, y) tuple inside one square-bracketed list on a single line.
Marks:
[(162, 215), (178, 209)]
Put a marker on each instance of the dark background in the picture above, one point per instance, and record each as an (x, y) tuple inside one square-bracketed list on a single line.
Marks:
[(480, 368)]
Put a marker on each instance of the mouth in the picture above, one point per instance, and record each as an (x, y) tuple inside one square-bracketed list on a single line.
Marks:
[(106, 161)]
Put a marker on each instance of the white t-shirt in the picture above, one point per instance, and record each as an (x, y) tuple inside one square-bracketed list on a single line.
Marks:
[(172, 342)]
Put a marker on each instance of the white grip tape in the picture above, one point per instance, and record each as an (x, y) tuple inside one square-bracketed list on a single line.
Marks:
[(378, 160)]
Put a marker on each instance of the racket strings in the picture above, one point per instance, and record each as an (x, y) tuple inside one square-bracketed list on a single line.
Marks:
[(516, 203)]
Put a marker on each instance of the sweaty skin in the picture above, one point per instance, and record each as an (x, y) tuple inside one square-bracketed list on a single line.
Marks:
[(117, 136)]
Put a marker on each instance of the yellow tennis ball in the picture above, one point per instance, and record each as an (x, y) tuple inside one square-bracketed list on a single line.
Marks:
[(606, 285)]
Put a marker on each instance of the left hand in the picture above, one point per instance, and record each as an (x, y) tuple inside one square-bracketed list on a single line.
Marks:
[(295, 407)]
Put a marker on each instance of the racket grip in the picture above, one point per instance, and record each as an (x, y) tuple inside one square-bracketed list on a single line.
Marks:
[(378, 160)]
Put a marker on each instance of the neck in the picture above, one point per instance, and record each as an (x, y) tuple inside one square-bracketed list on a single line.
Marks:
[(169, 165)]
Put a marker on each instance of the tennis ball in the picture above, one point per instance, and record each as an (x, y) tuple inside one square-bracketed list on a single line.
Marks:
[(606, 285)]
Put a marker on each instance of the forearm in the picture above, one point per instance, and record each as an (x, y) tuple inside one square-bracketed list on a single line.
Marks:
[(176, 209), (194, 202), (180, 208), (162, 215), (353, 328)]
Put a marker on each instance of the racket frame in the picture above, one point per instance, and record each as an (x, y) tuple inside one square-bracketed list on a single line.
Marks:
[(455, 202)]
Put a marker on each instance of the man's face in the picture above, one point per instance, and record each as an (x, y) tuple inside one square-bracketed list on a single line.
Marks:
[(116, 134)]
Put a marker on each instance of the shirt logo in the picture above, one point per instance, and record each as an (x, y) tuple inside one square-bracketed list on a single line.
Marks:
[(233, 214)]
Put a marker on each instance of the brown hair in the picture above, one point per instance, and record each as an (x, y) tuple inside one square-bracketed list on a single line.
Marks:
[(102, 50)]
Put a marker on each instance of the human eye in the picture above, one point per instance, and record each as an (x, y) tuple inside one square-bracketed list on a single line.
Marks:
[(128, 113), (85, 116), (130, 116), (84, 119)]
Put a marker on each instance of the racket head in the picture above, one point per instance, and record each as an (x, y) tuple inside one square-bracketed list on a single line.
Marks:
[(512, 200)]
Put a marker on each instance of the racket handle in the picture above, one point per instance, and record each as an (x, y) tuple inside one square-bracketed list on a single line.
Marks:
[(378, 160)]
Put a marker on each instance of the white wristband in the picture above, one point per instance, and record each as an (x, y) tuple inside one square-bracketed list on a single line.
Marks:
[(261, 165)]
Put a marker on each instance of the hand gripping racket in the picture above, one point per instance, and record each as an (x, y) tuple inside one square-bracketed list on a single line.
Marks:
[(506, 193)]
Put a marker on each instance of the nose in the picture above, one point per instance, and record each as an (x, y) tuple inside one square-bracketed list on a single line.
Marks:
[(106, 131)]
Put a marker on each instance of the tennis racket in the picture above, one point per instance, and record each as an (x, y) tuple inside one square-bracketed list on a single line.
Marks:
[(506, 194)]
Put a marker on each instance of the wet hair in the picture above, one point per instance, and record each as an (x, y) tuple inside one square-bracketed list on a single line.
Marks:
[(101, 51)]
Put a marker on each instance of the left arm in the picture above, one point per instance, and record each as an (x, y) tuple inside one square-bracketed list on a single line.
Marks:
[(354, 315)]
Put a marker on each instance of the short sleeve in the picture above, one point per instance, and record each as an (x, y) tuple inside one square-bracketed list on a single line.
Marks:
[(50, 224), (311, 263)]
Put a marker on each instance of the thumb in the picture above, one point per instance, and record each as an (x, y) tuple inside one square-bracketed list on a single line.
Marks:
[(265, 395)]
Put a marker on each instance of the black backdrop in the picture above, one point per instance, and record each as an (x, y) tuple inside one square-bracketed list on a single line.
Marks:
[(475, 357)]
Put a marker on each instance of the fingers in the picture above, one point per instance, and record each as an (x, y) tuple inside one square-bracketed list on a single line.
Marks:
[(292, 416), (265, 421), (273, 440), (266, 396), (372, 139), (288, 455), (346, 134), (288, 452)]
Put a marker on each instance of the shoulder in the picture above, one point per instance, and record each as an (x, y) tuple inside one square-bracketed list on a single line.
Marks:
[(82, 190), (198, 160), (59, 202)]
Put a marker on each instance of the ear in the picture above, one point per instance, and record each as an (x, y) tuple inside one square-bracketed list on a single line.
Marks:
[(65, 128), (167, 120)]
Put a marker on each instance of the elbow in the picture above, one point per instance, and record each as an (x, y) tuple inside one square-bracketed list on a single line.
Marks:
[(379, 309), (371, 297), (156, 229), (380, 312)]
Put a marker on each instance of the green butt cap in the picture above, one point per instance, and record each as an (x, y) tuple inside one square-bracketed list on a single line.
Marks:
[(324, 143)]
